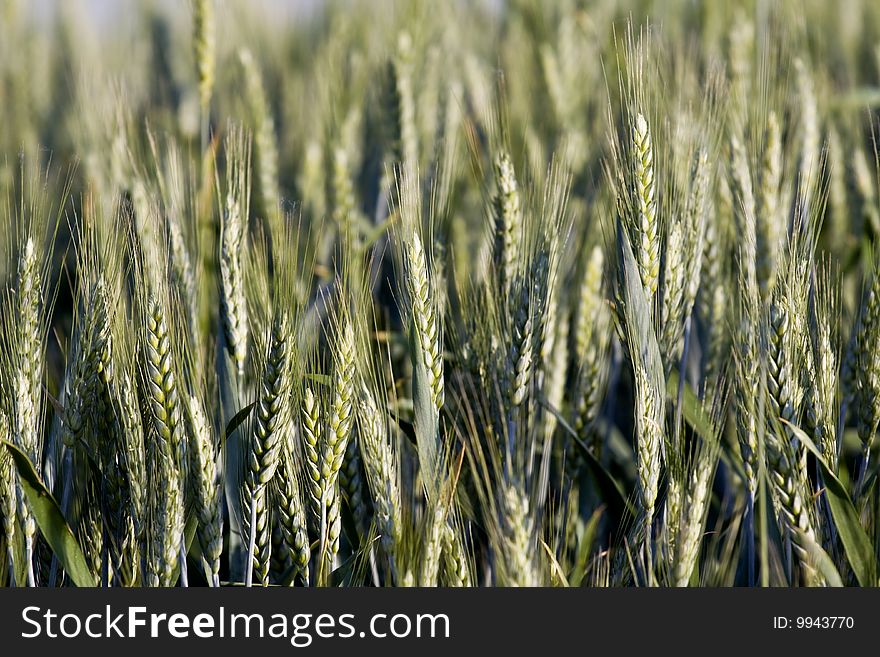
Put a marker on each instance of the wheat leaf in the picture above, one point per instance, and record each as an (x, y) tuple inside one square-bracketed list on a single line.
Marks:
[(51, 521)]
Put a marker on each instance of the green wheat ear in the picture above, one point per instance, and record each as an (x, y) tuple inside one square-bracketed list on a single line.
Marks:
[(204, 46), (648, 242), (507, 211), (272, 422), (424, 316)]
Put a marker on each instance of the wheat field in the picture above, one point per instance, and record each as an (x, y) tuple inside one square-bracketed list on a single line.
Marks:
[(416, 293)]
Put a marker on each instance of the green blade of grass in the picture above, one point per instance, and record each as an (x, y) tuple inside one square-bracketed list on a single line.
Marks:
[(189, 533), (692, 409), (51, 521), (237, 420), (856, 543), (585, 547), (617, 503)]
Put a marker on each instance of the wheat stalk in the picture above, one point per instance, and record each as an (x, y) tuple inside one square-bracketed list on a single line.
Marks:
[(424, 317), (272, 421), (517, 539), (233, 309), (693, 518), (400, 105), (266, 148), (649, 433), (648, 242), (167, 455), (207, 490), (292, 518), (786, 476), (312, 439), (7, 493), (456, 566), (204, 43), (336, 438), (507, 222), (432, 545), (352, 485), (382, 475), (27, 384), (768, 220)]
